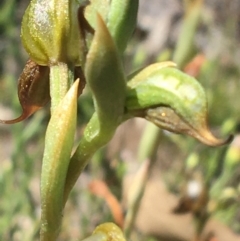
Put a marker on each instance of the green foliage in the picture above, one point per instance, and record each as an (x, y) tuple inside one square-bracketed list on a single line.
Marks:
[(58, 147), (159, 93)]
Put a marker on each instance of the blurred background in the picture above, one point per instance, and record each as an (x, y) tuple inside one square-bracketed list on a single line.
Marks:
[(192, 192)]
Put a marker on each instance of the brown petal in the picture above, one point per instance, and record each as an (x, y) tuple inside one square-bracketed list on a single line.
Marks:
[(33, 90)]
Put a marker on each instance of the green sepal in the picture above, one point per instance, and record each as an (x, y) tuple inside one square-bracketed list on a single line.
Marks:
[(172, 100), (50, 32), (105, 77), (58, 148)]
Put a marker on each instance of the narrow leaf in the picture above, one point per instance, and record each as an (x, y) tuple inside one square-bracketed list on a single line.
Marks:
[(58, 147)]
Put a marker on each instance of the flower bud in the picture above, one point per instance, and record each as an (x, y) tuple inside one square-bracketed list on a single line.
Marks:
[(50, 32)]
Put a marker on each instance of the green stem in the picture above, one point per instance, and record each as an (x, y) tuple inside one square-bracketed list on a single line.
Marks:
[(105, 78), (58, 146), (61, 79), (185, 48), (94, 138)]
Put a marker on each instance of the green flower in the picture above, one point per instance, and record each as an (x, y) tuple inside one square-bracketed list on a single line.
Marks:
[(50, 32)]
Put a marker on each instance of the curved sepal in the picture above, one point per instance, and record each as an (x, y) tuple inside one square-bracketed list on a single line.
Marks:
[(33, 90), (172, 100)]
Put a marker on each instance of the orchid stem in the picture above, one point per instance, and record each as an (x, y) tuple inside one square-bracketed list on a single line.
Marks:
[(61, 79), (58, 146)]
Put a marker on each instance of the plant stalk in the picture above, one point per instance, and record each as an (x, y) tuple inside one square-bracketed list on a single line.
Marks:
[(61, 79), (58, 147)]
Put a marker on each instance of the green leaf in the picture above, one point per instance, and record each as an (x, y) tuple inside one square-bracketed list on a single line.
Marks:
[(171, 100), (58, 147)]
